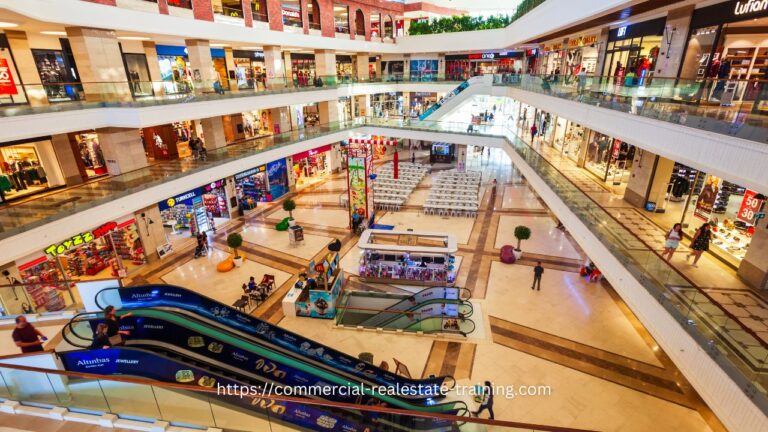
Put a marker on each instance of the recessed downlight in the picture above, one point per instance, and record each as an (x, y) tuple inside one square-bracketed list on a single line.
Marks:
[(54, 33), (6, 24)]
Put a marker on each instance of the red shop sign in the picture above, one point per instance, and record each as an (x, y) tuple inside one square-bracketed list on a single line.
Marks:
[(308, 153), (749, 207), (7, 85)]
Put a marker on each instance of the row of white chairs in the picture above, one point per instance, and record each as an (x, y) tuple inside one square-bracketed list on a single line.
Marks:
[(454, 211)]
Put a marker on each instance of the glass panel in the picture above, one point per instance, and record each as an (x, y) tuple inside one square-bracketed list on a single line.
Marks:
[(313, 14), (291, 10), (341, 18)]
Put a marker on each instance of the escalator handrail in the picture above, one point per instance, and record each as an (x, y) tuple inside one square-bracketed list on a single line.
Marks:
[(213, 391), (335, 352), (420, 305), (291, 362), (393, 307), (68, 330), (443, 330)]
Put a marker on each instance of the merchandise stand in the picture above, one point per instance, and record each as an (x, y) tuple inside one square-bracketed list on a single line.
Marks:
[(317, 290), (408, 258)]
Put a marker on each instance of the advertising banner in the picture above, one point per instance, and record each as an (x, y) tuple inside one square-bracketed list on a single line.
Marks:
[(278, 178), (706, 200), (750, 206), (7, 85), (356, 183)]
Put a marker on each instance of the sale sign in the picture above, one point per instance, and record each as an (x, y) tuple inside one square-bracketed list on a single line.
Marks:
[(749, 207), (7, 86)]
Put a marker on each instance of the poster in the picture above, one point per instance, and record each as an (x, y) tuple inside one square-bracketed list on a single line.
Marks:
[(7, 85), (357, 184), (706, 200), (750, 206), (278, 178)]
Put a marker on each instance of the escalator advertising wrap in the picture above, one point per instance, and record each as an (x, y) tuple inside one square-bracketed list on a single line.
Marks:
[(134, 362), (177, 297)]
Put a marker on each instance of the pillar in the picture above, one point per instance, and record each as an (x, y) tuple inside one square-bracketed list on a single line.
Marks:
[(377, 67), (325, 65), (100, 64), (273, 63), (334, 156), (153, 64), (229, 59), (281, 119), (676, 32), (648, 179), (288, 68), (247, 13), (203, 73), (162, 7), (123, 150), (564, 57), (213, 132), (441, 66), (202, 10), (754, 267), (151, 231), (602, 45), (65, 154), (363, 73), (328, 111), (582, 148), (25, 64), (461, 157), (407, 67)]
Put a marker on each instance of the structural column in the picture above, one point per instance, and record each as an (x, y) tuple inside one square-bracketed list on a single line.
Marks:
[(674, 41), (649, 179), (153, 64), (203, 73), (754, 266), (325, 64), (440, 66), (229, 59), (100, 64), (122, 149), (363, 73), (65, 154), (461, 157), (25, 64), (281, 119), (151, 231), (213, 132), (602, 47), (328, 111), (202, 10), (273, 63)]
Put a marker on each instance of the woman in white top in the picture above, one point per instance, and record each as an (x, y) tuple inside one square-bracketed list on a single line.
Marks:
[(672, 241)]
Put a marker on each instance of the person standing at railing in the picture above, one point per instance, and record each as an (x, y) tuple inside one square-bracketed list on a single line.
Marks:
[(27, 337), (582, 75)]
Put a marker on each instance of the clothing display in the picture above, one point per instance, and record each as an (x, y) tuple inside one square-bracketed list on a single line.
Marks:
[(91, 154), (21, 172)]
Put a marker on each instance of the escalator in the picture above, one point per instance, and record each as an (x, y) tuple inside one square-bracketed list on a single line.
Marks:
[(429, 301), (476, 85), (203, 310)]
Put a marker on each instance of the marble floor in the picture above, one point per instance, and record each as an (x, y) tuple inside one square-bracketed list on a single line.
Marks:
[(574, 336)]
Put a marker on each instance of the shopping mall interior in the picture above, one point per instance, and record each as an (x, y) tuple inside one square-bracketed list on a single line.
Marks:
[(383, 215)]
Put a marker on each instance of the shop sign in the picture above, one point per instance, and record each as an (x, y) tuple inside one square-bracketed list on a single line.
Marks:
[(621, 32), (7, 85), (750, 206), (557, 47), (483, 56), (291, 13), (531, 52), (313, 152), (545, 48), (214, 185), (588, 40), (80, 239), (250, 172), (186, 196), (750, 7)]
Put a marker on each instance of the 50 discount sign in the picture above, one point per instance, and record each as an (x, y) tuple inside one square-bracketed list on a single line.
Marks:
[(7, 86), (750, 206)]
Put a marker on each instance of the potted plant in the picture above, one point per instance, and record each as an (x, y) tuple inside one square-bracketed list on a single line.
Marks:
[(289, 205), (235, 240), (522, 232)]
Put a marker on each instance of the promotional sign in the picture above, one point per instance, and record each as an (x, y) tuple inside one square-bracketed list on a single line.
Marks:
[(218, 184), (7, 85), (177, 297), (707, 198), (277, 176), (313, 152), (750, 206), (181, 198), (250, 172), (128, 361), (356, 182), (85, 238)]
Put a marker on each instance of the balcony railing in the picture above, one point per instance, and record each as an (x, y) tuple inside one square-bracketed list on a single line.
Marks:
[(228, 11), (258, 15)]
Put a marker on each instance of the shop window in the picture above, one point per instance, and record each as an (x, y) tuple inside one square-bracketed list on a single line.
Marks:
[(24, 168), (138, 75), (220, 66), (58, 75), (186, 4), (89, 151), (259, 10), (375, 25), (423, 70), (230, 8), (697, 54), (249, 71), (359, 23), (175, 73), (313, 14), (389, 27), (341, 18), (291, 10)]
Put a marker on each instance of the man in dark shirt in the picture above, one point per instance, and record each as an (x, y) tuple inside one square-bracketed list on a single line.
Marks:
[(26, 336), (537, 272)]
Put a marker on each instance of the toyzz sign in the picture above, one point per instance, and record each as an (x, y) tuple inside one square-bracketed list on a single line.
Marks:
[(80, 239), (7, 85)]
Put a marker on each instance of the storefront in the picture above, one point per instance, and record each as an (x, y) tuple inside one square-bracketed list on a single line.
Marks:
[(312, 165), (423, 70), (137, 70), (344, 104), (394, 69), (216, 201), (568, 138), (88, 151), (302, 69), (257, 123), (464, 66), (610, 159), (291, 12), (28, 168), (11, 90), (387, 104), (277, 174), (581, 53), (250, 71), (552, 59), (58, 73), (113, 249), (345, 67), (198, 210), (420, 102), (220, 66), (728, 43), (168, 141), (633, 49), (252, 187), (175, 71), (441, 153)]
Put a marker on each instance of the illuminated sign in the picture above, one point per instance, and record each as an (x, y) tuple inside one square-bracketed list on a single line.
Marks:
[(750, 7), (7, 85), (622, 31), (80, 239), (291, 13), (250, 172)]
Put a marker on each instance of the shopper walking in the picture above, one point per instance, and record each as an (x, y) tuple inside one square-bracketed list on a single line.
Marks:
[(27, 337), (534, 131), (700, 243), (113, 325), (194, 147), (486, 401), (672, 241), (537, 272), (582, 75)]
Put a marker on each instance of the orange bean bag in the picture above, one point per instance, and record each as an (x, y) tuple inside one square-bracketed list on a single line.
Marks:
[(226, 265)]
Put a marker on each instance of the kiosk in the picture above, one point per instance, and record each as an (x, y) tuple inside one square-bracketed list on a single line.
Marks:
[(408, 258), (317, 290)]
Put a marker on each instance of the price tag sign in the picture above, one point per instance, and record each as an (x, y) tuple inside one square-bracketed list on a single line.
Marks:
[(750, 206)]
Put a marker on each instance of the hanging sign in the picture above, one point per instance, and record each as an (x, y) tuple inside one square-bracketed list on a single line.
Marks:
[(750, 206), (80, 239), (7, 85)]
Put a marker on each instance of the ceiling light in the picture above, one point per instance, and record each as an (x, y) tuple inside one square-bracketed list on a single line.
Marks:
[(54, 33), (219, 45), (5, 24), (136, 38)]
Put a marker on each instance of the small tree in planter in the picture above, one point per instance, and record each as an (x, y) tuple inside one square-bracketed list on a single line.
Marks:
[(522, 232), (289, 205), (235, 240)]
